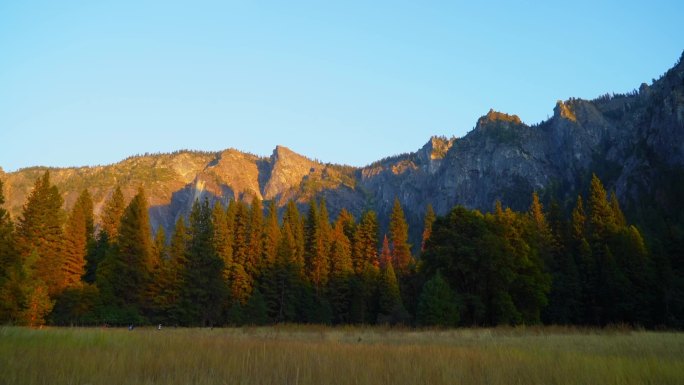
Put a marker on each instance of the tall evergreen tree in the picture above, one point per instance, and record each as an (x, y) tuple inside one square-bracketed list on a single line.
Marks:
[(293, 220), (8, 254), (385, 252), (438, 304), (111, 214), (618, 216), (601, 219), (241, 233), (398, 229), (390, 307), (223, 237), (203, 290), (78, 236), (341, 272), (317, 262), (366, 242), (130, 263), (169, 281), (39, 231), (10, 265), (255, 248), (160, 248), (271, 234), (427, 225)]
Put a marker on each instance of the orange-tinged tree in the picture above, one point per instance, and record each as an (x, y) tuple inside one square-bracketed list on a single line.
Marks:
[(78, 235), (398, 229), (39, 231), (111, 215)]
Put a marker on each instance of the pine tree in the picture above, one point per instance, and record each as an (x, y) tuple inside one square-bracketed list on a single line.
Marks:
[(579, 219), (39, 231), (366, 242), (293, 220), (158, 287), (241, 285), (438, 304), (427, 226), (317, 262), (203, 291), (398, 229), (618, 216), (8, 254), (10, 264), (390, 307), (601, 219), (348, 224), (271, 234), (341, 272), (385, 253), (26, 294), (241, 233), (565, 295), (280, 281), (223, 237), (78, 236), (255, 248), (111, 214), (160, 248), (169, 281), (134, 256)]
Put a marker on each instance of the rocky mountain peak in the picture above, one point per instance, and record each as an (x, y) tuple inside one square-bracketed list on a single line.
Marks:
[(565, 111), (437, 147), (287, 169), (495, 118)]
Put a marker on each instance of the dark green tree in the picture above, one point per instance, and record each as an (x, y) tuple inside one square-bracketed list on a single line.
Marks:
[(390, 307), (204, 290), (438, 304), (135, 250)]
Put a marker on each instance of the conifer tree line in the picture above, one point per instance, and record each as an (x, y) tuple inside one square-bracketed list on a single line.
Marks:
[(240, 264)]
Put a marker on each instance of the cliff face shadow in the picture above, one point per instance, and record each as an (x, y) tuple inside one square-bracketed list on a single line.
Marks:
[(265, 168), (181, 204)]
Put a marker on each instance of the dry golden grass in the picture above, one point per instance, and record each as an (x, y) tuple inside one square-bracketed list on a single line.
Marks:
[(344, 355)]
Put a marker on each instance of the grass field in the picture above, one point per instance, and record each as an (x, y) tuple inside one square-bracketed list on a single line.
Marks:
[(345, 355)]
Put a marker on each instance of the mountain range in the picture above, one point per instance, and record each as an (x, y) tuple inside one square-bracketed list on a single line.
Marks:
[(634, 142)]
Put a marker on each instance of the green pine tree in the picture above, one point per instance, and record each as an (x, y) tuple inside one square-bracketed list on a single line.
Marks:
[(438, 304), (390, 307), (204, 290), (124, 274)]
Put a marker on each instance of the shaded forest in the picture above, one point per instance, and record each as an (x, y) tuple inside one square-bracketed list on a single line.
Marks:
[(242, 264)]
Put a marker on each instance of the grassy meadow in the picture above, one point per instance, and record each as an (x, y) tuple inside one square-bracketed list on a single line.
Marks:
[(341, 355)]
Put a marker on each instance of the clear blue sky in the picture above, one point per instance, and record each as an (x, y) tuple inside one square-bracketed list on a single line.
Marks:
[(91, 82)]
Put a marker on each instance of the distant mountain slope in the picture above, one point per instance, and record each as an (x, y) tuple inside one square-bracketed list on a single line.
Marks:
[(634, 142)]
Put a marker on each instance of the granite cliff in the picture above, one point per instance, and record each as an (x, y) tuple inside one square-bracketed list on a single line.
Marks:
[(634, 142)]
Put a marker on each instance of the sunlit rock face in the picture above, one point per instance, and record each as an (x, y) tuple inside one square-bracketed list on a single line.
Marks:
[(630, 141)]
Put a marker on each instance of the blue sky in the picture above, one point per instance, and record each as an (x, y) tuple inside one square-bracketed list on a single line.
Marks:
[(92, 82)]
